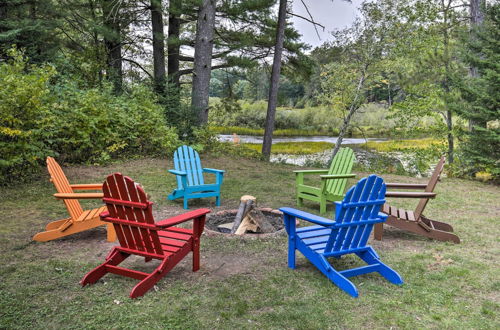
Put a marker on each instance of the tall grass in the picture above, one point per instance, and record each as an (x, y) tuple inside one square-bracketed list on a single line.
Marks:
[(260, 131), (294, 148), (402, 145)]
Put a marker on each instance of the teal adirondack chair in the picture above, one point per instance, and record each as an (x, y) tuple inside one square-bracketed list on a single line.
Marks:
[(190, 181), (333, 181), (348, 233)]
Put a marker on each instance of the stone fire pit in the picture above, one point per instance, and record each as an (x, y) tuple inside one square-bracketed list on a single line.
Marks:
[(221, 222)]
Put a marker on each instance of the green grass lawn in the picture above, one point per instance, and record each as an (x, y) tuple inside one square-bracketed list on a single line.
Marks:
[(246, 283)]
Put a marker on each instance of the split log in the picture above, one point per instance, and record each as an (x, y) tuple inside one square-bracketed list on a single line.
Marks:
[(246, 203), (247, 225), (258, 218), (256, 222)]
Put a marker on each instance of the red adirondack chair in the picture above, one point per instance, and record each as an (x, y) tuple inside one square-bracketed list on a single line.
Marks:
[(131, 214)]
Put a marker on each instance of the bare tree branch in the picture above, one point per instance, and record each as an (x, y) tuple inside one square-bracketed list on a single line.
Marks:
[(138, 65), (312, 19)]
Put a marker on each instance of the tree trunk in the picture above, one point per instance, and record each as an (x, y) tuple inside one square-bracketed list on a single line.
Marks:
[(96, 42), (173, 46), (352, 110), (449, 124), (112, 43), (275, 77), (3, 12), (203, 60), (446, 82), (476, 20), (158, 46)]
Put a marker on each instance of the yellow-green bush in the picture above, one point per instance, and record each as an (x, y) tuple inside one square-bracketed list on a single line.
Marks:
[(38, 119)]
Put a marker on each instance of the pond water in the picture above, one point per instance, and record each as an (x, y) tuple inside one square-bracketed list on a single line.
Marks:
[(330, 139), (322, 159)]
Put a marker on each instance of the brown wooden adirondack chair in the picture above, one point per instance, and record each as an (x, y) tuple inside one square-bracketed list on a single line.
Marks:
[(415, 221), (79, 220), (130, 212)]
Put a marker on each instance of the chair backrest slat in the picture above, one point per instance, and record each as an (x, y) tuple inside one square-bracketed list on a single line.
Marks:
[(125, 201), (347, 214), (62, 185), (361, 204), (143, 215), (430, 187), (341, 164), (187, 159), (376, 195)]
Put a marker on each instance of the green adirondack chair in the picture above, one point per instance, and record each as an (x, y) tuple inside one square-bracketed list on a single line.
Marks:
[(333, 181)]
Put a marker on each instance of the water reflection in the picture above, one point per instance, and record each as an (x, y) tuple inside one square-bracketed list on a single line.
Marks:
[(330, 139)]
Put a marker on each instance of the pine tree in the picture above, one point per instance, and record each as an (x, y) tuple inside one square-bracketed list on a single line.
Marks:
[(31, 25), (481, 96)]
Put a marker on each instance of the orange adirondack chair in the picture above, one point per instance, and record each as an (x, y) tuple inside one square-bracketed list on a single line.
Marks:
[(79, 220), (130, 212)]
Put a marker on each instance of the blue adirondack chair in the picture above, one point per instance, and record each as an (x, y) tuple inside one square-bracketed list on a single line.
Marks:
[(348, 233), (190, 181)]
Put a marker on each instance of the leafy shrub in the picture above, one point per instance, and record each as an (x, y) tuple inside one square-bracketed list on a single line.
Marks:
[(22, 110), (76, 125), (94, 125)]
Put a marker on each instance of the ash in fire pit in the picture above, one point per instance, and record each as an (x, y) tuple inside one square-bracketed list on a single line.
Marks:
[(248, 219)]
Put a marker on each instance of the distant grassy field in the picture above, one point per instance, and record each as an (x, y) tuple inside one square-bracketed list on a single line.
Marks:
[(245, 284), (305, 148), (294, 148), (260, 132), (401, 145)]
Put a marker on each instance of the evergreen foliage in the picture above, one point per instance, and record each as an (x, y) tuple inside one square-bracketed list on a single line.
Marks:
[(31, 25), (480, 97)]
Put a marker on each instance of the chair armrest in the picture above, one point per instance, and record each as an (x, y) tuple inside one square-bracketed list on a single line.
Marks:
[(79, 195), (310, 171), (178, 172), (410, 194), (213, 170), (182, 218), (337, 176), (406, 185), (89, 186), (307, 216), (104, 214)]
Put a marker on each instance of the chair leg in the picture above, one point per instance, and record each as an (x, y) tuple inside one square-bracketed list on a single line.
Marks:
[(111, 234), (338, 279), (378, 231), (217, 201), (388, 273), (56, 224), (437, 224), (196, 256), (185, 203), (300, 201), (291, 253), (322, 206), (143, 286), (115, 258)]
